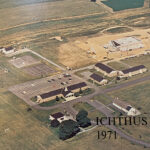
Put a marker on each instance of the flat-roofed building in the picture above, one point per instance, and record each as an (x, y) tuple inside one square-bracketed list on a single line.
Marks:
[(106, 70), (98, 79), (124, 44), (125, 107), (132, 71)]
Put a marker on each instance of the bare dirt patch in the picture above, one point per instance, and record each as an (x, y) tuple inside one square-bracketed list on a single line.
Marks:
[(75, 52)]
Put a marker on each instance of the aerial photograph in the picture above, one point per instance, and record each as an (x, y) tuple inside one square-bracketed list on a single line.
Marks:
[(74, 74)]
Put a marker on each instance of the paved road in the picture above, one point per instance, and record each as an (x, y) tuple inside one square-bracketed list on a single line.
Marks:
[(127, 84)]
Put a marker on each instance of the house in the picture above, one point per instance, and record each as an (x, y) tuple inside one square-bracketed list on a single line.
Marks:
[(60, 117), (67, 92), (8, 50), (106, 70), (132, 71), (125, 107), (98, 79)]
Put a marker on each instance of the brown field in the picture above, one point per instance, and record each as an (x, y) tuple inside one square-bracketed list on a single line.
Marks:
[(39, 70), (74, 53), (23, 61)]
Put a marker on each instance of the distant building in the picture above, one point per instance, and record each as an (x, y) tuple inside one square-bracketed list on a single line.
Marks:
[(98, 79), (126, 108), (132, 71), (1, 49), (66, 93), (124, 44), (60, 117), (106, 70), (8, 50)]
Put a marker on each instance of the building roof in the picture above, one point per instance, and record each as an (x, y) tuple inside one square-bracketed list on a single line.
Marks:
[(96, 77), (77, 86), (51, 93), (122, 104), (9, 48), (104, 67), (57, 115), (133, 69), (63, 91)]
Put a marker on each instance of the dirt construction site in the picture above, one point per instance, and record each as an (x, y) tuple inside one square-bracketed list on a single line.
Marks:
[(87, 50)]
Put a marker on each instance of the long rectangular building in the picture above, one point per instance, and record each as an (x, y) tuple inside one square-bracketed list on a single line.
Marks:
[(133, 71), (62, 92), (106, 70)]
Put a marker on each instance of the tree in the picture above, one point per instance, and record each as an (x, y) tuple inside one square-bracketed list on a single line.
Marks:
[(57, 98), (68, 129), (55, 123), (80, 92), (82, 119)]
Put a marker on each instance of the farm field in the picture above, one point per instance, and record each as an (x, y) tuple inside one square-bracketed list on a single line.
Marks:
[(118, 5), (137, 96)]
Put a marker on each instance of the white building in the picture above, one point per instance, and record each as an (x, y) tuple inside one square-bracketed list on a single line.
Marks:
[(126, 108), (8, 50), (124, 44)]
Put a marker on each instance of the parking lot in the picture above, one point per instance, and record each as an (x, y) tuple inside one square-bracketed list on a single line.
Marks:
[(33, 88), (39, 70)]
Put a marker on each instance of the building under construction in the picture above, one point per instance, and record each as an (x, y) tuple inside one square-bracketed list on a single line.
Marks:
[(124, 44)]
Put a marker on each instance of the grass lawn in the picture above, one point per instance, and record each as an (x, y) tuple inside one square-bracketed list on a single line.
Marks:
[(117, 65), (141, 60), (119, 30), (138, 96), (51, 103)]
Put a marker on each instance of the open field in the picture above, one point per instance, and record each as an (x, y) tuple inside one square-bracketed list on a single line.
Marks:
[(118, 5), (27, 13), (137, 96)]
